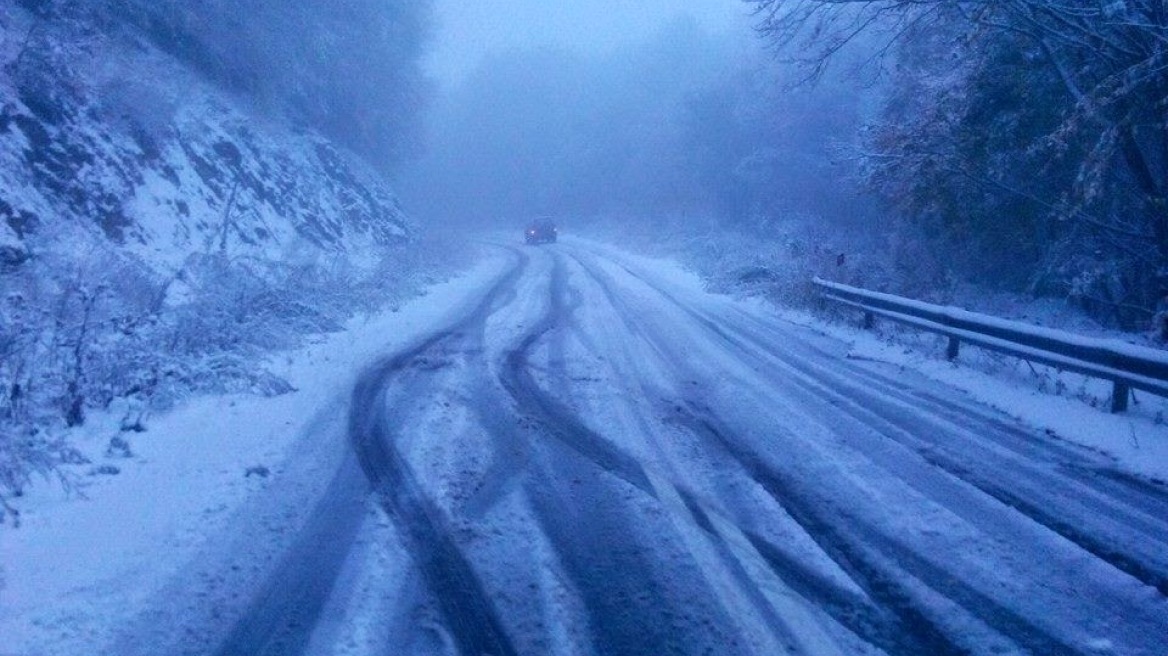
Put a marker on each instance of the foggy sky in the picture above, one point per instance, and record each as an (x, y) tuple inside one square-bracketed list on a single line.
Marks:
[(646, 109), (468, 31)]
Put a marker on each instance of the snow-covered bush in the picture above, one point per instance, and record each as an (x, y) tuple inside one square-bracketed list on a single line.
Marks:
[(75, 339), (160, 239), (25, 453)]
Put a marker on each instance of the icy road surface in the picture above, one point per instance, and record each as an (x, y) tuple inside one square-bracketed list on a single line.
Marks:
[(596, 460)]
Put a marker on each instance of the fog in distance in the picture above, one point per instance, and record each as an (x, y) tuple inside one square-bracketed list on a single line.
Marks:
[(638, 111)]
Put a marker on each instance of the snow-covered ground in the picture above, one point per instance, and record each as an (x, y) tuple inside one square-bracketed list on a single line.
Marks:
[(1065, 405), (79, 567), (231, 479)]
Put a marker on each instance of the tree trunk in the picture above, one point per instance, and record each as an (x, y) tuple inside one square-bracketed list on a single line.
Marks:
[(1150, 187)]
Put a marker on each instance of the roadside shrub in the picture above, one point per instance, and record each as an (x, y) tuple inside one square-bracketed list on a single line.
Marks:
[(77, 335)]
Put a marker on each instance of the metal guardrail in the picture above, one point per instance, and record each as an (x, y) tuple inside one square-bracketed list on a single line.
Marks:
[(1127, 366)]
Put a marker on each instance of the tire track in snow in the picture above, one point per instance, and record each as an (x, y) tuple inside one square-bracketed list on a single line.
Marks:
[(467, 609), (636, 603), (557, 420), (872, 568), (282, 618), (1134, 501), (863, 554), (872, 624), (1116, 502)]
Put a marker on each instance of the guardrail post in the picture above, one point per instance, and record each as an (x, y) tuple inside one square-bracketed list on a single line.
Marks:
[(954, 348), (869, 321), (1120, 394)]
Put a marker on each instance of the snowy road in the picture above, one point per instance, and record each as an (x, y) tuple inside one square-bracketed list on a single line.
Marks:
[(598, 459)]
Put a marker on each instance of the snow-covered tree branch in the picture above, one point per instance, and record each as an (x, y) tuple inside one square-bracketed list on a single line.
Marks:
[(1067, 100)]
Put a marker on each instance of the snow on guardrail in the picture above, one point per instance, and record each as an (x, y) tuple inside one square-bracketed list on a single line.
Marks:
[(1128, 366)]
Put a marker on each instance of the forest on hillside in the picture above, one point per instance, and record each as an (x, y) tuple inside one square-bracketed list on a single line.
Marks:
[(1022, 144), (1019, 146)]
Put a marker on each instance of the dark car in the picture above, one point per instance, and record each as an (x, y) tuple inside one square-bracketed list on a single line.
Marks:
[(542, 231)]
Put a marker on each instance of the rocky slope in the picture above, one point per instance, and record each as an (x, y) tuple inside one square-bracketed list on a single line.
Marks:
[(112, 140), (160, 233)]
